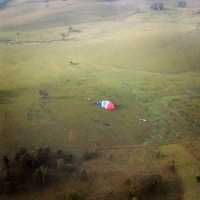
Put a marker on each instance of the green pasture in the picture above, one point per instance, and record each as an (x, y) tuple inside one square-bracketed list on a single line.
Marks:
[(148, 65)]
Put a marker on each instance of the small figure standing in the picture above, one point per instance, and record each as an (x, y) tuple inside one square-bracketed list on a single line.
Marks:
[(43, 93)]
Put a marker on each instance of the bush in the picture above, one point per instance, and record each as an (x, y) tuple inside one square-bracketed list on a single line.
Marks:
[(89, 155), (181, 4), (76, 196), (154, 186), (157, 6)]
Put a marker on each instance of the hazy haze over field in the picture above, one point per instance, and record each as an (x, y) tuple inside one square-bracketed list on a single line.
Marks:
[(58, 58), (44, 13)]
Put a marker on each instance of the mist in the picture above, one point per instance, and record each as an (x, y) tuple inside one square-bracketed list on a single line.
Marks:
[(99, 99)]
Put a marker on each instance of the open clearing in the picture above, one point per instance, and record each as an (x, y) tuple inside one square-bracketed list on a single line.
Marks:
[(147, 63)]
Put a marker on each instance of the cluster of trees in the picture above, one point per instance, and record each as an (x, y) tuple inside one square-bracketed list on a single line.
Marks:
[(160, 5), (33, 169)]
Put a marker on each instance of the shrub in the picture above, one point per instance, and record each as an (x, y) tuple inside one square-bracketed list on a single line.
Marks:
[(157, 6), (181, 4), (76, 196)]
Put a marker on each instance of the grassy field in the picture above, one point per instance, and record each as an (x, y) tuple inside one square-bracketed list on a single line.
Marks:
[(148, 64)]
